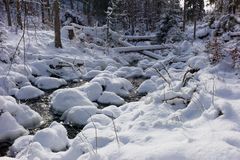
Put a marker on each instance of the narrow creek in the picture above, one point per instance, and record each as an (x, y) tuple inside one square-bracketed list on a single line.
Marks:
[(43, 107)]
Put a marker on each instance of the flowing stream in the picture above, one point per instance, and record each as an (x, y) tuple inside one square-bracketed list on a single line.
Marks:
[(43, 107)]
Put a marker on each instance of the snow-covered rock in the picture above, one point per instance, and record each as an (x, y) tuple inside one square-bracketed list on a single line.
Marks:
[(111, 68), (93, 90), (111, 111), (54, 137), (129, 72), (91, 74), (79, 114), (37, 152), (147, 86), (49, 82), (27, 117), (202, 33), (10, 129), (63, 99), (28, 92), (110, 98), (100, 118), (22, 113), (20, 144), (198, 62), (111, 83)]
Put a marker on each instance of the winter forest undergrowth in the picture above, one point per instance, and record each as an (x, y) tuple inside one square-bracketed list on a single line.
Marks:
[(120, 79)]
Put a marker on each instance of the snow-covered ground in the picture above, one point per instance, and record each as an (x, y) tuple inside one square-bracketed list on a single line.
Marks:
[(190, 111)]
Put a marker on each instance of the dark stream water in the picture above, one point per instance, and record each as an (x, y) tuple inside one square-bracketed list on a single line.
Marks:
[(43, 107)]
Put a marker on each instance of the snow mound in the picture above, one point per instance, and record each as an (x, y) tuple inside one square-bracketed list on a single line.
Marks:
[(79, 114), (63, 99), (27, 117), (202, 33), (111, 111), (55, 67), (37, 152), (198, 62), (147, 86), (23, 114), (54, 137), (129, 72), (49, 82), (145, 63), (101, 119), (10, 129), (110, 98), (19, 144), (91, 74), (93, 90), (111, 83), (28, 92)]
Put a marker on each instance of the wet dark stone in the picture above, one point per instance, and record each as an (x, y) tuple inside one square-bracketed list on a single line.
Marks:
[(4, 148)]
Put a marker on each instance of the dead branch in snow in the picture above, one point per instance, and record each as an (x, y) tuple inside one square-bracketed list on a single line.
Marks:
[(141, 48)]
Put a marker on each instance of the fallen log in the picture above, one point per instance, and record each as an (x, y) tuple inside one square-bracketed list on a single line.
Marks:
[(141, 48), (140, 38)]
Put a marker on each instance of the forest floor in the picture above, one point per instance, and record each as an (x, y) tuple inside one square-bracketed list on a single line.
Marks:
[(86, 101)]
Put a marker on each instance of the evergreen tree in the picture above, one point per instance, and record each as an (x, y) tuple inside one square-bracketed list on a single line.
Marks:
[(194, 9)]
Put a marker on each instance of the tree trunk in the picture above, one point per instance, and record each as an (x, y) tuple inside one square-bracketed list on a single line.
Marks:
[(89, 12), (7, 7), (25, 8), (57, 24), (71, 4), (184, 15), (195, 20), (48, 11), (43, 14), (195, 28), (19, 18)]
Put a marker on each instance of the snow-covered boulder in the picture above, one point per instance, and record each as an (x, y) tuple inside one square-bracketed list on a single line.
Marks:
[(27, 117), (54, 137), (6, 85), (49, 82), (37, 151), (79, 114), (120, 86), (144, 64), (129, 72), (111, 83), (111, 68), (147, 86), (101, 119), (110, 98), (28, 92), (198, 62), (150, 72), (10, 129), (202, 33), (19, 144), (111, 111), (93, 90), (23, 114), (91, 74), (64, 99)]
